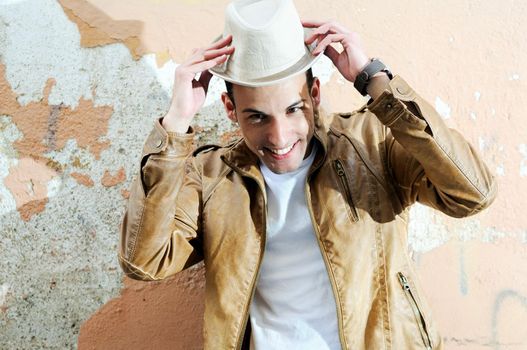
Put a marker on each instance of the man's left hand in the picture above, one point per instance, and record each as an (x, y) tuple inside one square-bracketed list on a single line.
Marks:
[(351, 60)]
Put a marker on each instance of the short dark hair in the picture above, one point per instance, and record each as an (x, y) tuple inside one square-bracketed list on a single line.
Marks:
[(309, 80)]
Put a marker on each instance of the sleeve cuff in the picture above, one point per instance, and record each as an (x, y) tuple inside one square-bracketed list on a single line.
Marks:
[(390, 106), (161, 141)]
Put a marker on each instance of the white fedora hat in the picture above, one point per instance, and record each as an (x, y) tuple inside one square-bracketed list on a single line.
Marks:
[(269, 41)]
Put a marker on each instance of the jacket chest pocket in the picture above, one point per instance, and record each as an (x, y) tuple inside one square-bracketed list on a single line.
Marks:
[(416, 309), (345, 189)]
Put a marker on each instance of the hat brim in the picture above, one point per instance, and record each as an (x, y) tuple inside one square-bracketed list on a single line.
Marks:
[(300, 66)]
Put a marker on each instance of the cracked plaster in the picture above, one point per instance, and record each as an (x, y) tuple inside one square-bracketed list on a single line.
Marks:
[(61, 264)]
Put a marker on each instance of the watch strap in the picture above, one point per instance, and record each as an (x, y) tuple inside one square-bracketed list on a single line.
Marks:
[(363, 78)]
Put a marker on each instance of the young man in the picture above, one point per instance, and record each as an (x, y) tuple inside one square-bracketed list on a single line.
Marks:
[(302, 226)]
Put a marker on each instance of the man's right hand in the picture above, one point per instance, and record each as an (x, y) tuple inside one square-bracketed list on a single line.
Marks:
[(189, 94)]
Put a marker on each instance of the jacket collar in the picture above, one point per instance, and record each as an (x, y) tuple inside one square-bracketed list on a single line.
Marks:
[(241, 159)]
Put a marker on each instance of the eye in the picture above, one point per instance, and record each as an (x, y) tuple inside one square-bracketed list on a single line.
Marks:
[(294, 109), (256, 118)]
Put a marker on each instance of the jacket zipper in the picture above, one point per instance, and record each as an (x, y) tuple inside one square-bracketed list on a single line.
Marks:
[(417, 311), (341, 173), (253, 282), (328, 270)]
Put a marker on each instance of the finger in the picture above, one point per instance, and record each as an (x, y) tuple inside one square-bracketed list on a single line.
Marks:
[(332, 53), (188, 72), (317, 24), (210, 54), (311, 38), (314, 36), (204, 79), (326, 28), (331, 38), (201, 55), (311, 23), (203, 66), (332, 27), (337, 27), (219, 43)]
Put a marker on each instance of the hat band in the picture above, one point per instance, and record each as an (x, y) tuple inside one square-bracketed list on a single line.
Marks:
[(261, 72)]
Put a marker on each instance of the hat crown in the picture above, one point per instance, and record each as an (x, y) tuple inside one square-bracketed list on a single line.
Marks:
[(256, 14), (269, 40), (268, 37)]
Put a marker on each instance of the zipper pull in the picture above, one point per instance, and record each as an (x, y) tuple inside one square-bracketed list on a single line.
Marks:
[(404, 281), (340, 169)]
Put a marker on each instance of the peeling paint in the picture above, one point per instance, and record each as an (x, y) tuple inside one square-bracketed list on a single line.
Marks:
[(7, 200), (77, 162), (37, 49), (156, 29), (109, 180), (481, 143), (82, 179), (54, 186), (28, 209), (126, 32), (87, 125), (442, 108), (27, 181), (9, 134), (425, 230), (46, 128), (125, 193), (500, 170), (164, 73)]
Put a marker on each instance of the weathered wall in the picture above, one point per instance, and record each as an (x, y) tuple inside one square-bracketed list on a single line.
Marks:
[(81, 83)]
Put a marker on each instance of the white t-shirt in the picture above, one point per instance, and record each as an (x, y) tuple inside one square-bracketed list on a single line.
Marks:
[(293, 305)]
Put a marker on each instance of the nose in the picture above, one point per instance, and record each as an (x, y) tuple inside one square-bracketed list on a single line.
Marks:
[(277, 134)]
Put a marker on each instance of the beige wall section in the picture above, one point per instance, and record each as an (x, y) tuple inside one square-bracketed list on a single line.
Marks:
[(468, 58)]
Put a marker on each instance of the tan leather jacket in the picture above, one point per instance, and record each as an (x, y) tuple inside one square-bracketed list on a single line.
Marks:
[(371, 166)]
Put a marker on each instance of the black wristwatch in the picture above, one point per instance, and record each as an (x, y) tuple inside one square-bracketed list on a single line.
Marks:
[(363, 78)]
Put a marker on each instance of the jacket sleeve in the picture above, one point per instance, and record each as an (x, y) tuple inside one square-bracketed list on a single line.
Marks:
[(160, 228), (429, 162)]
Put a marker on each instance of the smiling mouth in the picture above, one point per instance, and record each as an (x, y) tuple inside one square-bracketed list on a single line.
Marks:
[(282, 152)]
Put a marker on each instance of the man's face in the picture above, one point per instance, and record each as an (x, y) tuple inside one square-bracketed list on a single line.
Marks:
[(277, 121)]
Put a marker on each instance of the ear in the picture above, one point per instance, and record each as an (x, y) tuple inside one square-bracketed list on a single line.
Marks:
[(230, 109), (315, 92)]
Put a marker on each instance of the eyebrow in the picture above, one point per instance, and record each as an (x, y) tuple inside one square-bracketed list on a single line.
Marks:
[(252, 110)]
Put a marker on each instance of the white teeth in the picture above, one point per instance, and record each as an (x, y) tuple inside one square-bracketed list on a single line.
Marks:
[(283, 150)]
